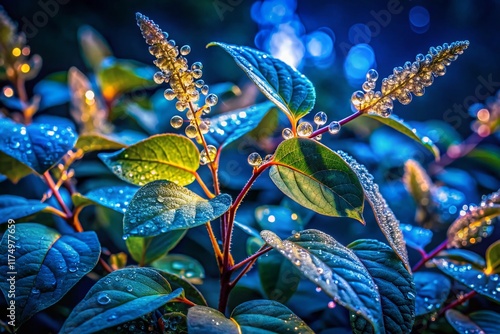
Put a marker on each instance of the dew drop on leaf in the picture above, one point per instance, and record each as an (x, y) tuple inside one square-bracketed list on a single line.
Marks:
[(305, 129), (103, 298)]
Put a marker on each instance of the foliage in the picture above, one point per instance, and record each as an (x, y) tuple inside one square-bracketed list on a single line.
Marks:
[(124, 163)]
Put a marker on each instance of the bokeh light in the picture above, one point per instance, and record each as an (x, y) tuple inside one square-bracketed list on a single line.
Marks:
[(419, 19), (359, 60)]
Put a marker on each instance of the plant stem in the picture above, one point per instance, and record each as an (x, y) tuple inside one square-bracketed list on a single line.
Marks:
[(52, 186), (341, 122), (458, 301), (431, 255), (249, 261), (215, 244), (105, 265), (261, 251), (203, 186), (184, 301)]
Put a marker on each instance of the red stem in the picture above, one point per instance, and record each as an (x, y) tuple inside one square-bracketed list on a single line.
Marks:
[(251, 258), (458, 301), (341, 122), (431, 255), (52, 186)]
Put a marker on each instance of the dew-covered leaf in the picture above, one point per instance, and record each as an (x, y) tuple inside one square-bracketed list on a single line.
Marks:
[(98, 142), (386, 219), (162, 206), (279, 278), (202, 319), (399, 125), (52, 92), (16, 207), (162, 157), (37, 146), (317, 178), (47, 265), (118, 76), (462, 323), (486, 285), (121, 296), (493, 258), (463, 256), (190, 291), (335, 269), (290, 90), (472, 225), (395, 285), (432, 291), (277, 219), (416, 237), (489, 321), (268, 316), (145, 250), (181, 265), (94, 47), (228, 127), (116, 198)]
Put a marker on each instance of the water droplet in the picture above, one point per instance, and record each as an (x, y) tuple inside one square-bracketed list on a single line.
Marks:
[(254, 159), (410, 295), (112, 317), (191, 131), (103, 298), (320, 118), (208, 156), (35, 291), (159, 77), (176, 122), (129, 288), (305, 129), (185, 50), (169, 94), (372, 75), (334, 127), (287, 133)]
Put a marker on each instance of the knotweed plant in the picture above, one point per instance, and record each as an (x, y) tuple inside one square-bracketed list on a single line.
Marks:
[(170, 183)]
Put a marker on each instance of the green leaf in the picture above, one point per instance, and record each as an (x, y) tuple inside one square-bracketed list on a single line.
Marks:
[(488, 156), (335, 269), (416, 237), (463, 256), (279, 278), (37, 146), (202, 319), (116, 198), (147, 249), (163, 206), (118, 76), (228, 127), (432, 291), (190, 291), (486, 285), (493, 258), (121, 296), (489, 321), (317, 178), (97, 142), (472, 226), (163, 157), (395, 285), (47, 265), (181, 265), (387, 221), (267, 316), (399, 125), (16, 207), (286, 87), (93, 46), (462, 323)]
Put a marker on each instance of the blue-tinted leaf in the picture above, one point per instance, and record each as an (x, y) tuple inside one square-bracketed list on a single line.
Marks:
[(147, 249), (11, 102), (38, 146), (47, 265), (52, 93), (416, 237), (335, 269), (190, 291), (395, 285), (115, 198), (121, 296), (489, 321), (432, 290), (181, 265), (290, 90), (228, 127), (202, 319), (267, 316), (162, 206), (247, 229), (15, 207), (486, 285), (277, 219), (462, 323), (463, 256)]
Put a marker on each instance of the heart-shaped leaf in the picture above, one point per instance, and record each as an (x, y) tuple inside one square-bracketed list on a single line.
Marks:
[(47, 265), (335, 269), (493, 258), (163, 157), (190, 291), (16, 207), (462, 323), (486, 285), (181, 265), (399, 125), (395, 285), (416, 237), (432, 290), (121, 296), (268, 316), (387, 221), (317, 178), (489, 321), (202, 319), (163, 206), (37, 146), (228, 127), (116, 198), (286, 87), (147, 249)]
